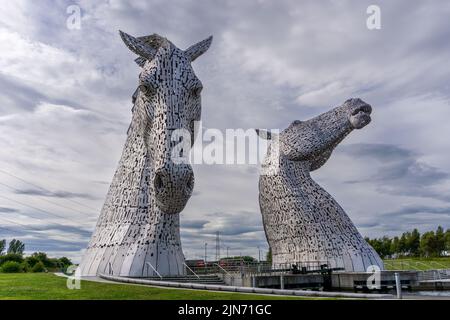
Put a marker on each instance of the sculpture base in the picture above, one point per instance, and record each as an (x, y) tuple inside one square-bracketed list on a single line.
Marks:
[(350, 262), (124, 261)]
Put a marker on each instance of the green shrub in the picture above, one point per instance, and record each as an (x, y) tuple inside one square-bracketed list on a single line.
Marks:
[(66, 262), (38, 267), (25, 267), (31, 260), (11, 267), (49, 263), (42, 256)]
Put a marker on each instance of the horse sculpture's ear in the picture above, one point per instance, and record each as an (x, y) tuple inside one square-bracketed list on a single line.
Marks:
[(265, 134), (138, 46), (140, 61), (195, 51)]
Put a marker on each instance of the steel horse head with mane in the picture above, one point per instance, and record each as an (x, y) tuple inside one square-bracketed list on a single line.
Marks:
[(303, 223), (137, 233)]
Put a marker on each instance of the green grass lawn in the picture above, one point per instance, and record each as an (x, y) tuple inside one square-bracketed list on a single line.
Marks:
[(41, 286), (417, 263)]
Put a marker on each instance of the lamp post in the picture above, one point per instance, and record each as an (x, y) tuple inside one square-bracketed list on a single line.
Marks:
[(259, 259), (206, 246)]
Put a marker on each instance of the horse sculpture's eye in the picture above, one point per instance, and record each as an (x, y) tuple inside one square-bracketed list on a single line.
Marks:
[(146, 89), (196, 91)]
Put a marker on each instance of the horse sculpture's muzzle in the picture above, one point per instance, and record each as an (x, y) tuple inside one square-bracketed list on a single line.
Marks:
[(359, 113), (173, 185)]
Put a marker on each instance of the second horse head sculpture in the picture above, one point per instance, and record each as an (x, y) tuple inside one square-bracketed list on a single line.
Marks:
[(303, 223)]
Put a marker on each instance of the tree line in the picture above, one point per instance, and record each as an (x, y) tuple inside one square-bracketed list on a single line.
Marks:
[(413, 244), (13, 259)]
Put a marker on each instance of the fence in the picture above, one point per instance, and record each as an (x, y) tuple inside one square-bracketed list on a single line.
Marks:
[(229, 266), (256, 268), (434, 275)]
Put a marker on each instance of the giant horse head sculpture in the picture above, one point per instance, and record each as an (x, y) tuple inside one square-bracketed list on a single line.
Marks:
[(138, 231), (168, 99)]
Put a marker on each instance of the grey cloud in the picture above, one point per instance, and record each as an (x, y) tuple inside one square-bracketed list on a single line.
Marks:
[(12, 232), (35, 229), (35, 240), (101, 182), (367, 225), (422, 217), (226, 224), (8, 210), (18, 96), (194, 224), (411, 210), (51, 245), (55, 194), (381, 152), (233, 229), (68, 229), (399, 171)]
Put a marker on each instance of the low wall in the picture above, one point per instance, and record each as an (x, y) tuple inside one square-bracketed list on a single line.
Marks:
[(290, 281), (200, 286), (346, 281), (232, 279), (358, 280), (434, 285)]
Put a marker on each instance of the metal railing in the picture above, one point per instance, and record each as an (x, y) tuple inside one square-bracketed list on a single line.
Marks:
[(226, 272), (191, 270), (434, 275), (231, 266), (235, 266), (156, 271), (220, 267)]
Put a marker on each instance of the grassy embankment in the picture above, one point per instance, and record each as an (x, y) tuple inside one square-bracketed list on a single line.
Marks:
[(417, 263), (42, 286)]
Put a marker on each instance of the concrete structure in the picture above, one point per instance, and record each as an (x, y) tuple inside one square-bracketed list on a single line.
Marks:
[(358, 281), (225, 288), (303, 223), (338, 281), (137, 233)]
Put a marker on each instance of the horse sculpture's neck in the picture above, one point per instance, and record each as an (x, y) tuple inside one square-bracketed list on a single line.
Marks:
[(133, 236), (303, 223)]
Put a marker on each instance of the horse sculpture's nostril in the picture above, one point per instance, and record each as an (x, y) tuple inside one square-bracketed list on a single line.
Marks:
[(158, 181), (365, 108), (168, 182), (190, 182)]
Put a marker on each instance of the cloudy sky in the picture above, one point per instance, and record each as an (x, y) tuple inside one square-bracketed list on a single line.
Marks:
[(65, 106)]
